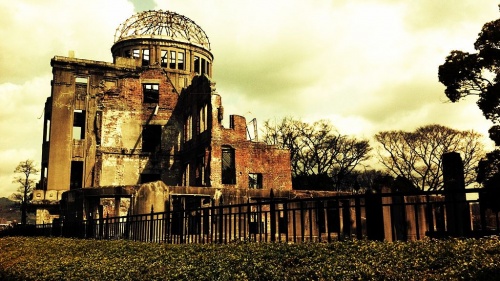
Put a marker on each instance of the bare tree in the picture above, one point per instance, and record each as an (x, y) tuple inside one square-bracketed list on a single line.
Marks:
[(319, 154), (417, 155), (27, 169)]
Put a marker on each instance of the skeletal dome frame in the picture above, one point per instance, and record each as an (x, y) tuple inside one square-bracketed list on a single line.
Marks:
[(162, 25)]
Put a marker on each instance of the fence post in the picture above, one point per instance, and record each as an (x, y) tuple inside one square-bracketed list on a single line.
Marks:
[(106, 226), (272, 213), (346, 218), (284, 222), (151, 225), (167, 224), (429, 215), (357, 210), (221, 221), (101, 221), (249, 220), (457, 209), (374, 216), (126, 235)]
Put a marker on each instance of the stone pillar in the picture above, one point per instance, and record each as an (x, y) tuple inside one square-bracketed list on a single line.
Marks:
[(457, 209)]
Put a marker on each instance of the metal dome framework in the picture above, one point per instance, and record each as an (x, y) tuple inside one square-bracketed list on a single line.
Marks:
[(162, 25)]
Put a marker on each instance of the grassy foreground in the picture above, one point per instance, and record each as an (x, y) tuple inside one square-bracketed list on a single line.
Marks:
[(71, 259)]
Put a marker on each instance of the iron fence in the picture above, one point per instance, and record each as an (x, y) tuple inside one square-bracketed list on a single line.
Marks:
[(376, 216)]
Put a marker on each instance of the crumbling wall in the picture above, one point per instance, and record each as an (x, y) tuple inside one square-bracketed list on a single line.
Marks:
[(124, 115)]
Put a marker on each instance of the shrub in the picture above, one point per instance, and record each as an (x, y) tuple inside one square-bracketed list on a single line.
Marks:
[(38, 258)]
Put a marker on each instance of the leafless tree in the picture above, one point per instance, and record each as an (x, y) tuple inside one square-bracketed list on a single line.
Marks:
[(27, 169), (417, 155), (317, 150)]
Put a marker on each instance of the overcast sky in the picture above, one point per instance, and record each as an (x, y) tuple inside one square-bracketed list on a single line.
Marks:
[(367, 65)]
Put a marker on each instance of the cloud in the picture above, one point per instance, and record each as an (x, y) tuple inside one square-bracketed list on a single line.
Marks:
[(430, 14), (33, 32), (368, 65)]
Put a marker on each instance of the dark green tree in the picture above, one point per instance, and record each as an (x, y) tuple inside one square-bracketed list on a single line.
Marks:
[(478, 74)]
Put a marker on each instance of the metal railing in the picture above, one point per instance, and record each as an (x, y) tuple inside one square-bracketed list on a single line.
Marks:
[(376, 216)]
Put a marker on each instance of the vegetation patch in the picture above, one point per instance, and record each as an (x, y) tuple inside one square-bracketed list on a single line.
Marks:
[(25, 258)]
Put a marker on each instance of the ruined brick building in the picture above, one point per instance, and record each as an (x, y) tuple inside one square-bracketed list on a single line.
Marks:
[(153, 114)]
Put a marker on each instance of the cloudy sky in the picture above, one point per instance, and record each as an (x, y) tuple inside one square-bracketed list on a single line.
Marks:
[(367, 65)]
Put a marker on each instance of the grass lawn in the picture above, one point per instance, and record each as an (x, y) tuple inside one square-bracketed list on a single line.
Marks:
[(38, 258)]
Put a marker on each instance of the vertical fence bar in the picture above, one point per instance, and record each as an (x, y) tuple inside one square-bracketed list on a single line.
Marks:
[(285, 219), (220, 221), (151, 226), (272, 214), (416, 208), (357, 210), (311, 226), (297, 220)]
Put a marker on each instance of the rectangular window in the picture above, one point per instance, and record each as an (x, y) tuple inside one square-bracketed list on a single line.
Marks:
[(151, 138), (43, 182), (151, 93), (127, 54), (180, 61), (186, 180), (203, 64), (200, 171), (80, 87), (188, 131), (172, 59), (79, 125), (197, 64), (164, 58), (145, 57), (47, 130), (255, 181), (228, 165), (76, 176), (203, 119), (136, 53)]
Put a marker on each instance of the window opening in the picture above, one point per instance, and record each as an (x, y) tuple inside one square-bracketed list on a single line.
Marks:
[(128, 53), (47, 130), (203, 66), (79, 125), (145, 57), (172, 59), (76, 177), (164, 57), (203, 119), (136, 53), (228, 165), (189, 128), (151, 93), (81, 80), (180, 61), (255, 181), (197, 64), (145, 178), (151, 138), (200, 171), (80, 88), (186, 175)]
